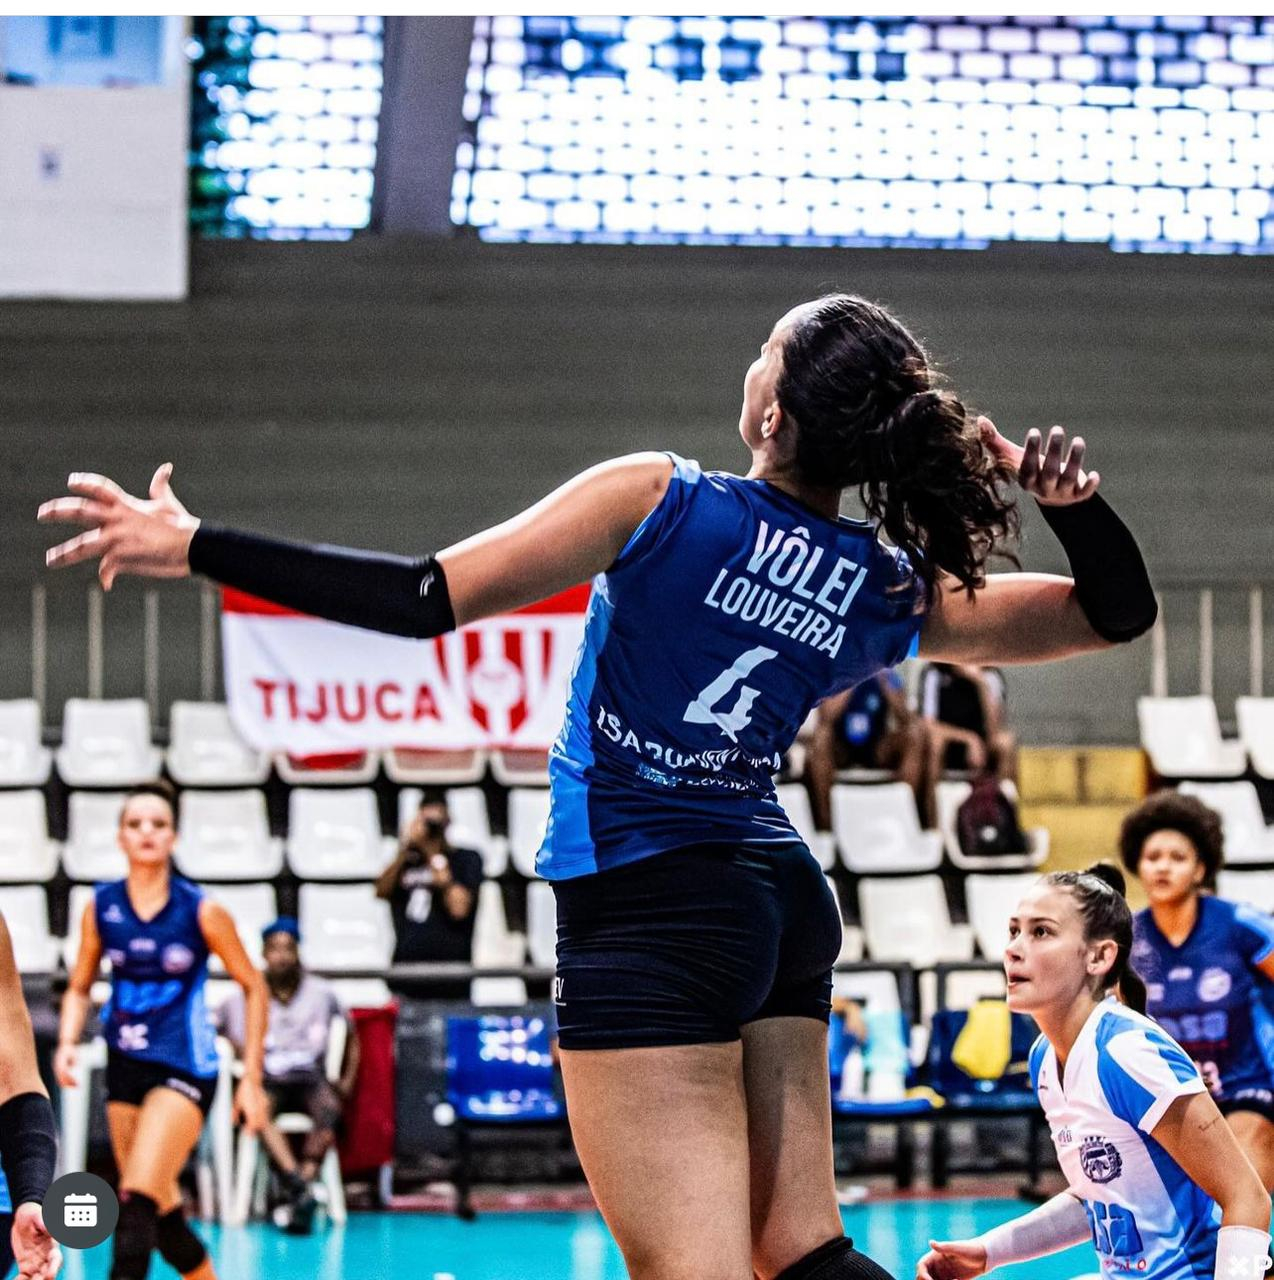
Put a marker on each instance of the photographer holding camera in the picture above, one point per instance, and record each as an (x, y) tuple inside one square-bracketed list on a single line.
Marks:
[(432, 891)]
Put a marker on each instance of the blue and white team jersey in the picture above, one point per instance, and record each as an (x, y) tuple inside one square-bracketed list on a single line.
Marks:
[(157, 1011), (1206, 995), (1148, 1219), (730, 612), (6, 1200)]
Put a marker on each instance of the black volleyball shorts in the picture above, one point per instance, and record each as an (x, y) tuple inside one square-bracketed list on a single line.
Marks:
[(684, 947)]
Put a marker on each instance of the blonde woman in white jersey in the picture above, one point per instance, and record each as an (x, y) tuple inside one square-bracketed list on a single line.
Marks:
[(1156, 1178)]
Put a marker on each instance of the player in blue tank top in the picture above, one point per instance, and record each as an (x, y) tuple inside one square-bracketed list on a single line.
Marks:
[(696, 934), (1155, 1179), (157, 930), (1206, 962)]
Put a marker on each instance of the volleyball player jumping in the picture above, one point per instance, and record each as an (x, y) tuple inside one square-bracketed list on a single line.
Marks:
[(1155, 1177), (157, 929), (696, 934)]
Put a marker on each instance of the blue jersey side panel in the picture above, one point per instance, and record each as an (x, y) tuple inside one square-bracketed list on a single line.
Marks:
[(6, 1200), (1206, 993), (730, 612), (158, 968)]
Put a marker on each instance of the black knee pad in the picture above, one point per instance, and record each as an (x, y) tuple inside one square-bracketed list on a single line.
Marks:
[(134, 1236), (835, 1260), (177, 1244)]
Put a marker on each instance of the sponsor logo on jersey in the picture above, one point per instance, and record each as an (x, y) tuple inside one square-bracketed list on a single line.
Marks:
[(1154, 991), (1100, 1160), (1214, 984), (1141, 948), (1182, 973), (1065, 1137), (117, 957), (559, 991), (113, 915), (142, 946), (177, 958)]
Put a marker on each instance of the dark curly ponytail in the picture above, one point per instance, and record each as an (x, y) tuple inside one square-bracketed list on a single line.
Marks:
[(860, 390)]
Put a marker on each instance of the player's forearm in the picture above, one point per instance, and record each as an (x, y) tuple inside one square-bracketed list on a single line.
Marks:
[(75, 1006), (256, 1018), (1055, 1225)]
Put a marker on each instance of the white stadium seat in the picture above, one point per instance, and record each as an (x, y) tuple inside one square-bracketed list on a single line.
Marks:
[(528, 817), (1253, 887), (1247, 838), (991, 901), (92, 849), (206, 750), (253, 907), (26, 852), (948, 797), (345, 926), (225, 835), (497, 993), (795, 800), (851, 937), (495, 945), (1256, 730), (335, 835), (81, 896), (541, 924), (878, 830), (872, 988), (1182, 736), (106, 743), (906, 918), (26, 911), (340, 769), (24, 762), (520, 768), (408, 765)]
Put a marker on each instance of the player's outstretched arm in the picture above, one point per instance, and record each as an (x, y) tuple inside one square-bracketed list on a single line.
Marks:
[(1034, 617), (569, 536)]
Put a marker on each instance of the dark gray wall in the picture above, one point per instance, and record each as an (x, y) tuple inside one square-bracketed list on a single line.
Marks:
[(404, 394)]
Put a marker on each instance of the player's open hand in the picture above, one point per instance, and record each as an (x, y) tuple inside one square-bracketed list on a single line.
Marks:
[(1050, 472), (35, 1251), (250, 1106), (952, 1260), (147, 536)]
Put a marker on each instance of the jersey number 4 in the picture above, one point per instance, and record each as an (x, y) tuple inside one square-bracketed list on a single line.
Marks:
[(702, 710)]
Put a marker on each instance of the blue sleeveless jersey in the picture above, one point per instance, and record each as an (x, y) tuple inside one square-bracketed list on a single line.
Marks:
[(1207, 996), (730, 612), (6, 1200), (157, 1011)]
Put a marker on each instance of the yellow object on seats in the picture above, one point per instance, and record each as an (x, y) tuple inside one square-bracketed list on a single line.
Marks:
[(982, 1048)]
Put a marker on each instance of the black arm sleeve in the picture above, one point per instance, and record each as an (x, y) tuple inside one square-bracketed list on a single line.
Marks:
[(28, 1147), (1111, 581), (395, 594)]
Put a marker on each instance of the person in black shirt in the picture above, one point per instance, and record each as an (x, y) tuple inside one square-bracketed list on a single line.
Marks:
[(432, 891)]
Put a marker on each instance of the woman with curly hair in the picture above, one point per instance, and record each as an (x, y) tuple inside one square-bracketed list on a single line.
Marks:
[(1203, 960)]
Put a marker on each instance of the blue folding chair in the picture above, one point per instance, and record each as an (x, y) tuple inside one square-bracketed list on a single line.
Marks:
[(499, 1074)]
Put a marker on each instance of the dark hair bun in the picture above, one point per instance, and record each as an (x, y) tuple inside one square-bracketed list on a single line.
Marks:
[(1108, 874)]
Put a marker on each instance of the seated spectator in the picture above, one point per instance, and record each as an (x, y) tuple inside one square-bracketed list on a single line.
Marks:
[(432, 891), (963, 710), (302, 1007), (867, 727)]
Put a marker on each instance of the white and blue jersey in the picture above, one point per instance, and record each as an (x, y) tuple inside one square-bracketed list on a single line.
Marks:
[(157, 1011), (1123, 1073), (730, 612), (1207, 996)]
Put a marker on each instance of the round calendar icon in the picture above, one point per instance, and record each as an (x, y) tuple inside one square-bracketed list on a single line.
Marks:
[(80, 1210)]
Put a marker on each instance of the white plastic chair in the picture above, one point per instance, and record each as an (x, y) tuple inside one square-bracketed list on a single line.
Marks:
[(520, 768), (541, 924), (470, 825), (225, 835), (26, 852), (948, 797), (1256, 888), (1182, 736), (205, 748), (81, 895), (252, 907), (408, 765), (361, 993), (24, 762), (354, 769), (26, 911), (106, 743), (252, 1168), (795, 800), (873, 989), (991, 901), (877, 829), (1247, 838), (851, 937), (92, 849), (499, 993), (335, 835), (495, 945), (345, 926), (528, 817), (906, 918), (1256, 731)]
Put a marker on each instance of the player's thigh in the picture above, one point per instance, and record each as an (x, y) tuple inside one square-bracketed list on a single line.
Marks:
[(121, 1124), (166, 1131), (793, 1185), (662, 1136), (1255, 1134)]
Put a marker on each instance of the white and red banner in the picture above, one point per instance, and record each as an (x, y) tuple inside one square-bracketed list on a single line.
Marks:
[(308, 687)]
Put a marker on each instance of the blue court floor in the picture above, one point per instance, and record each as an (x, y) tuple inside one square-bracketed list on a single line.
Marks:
[(552, 1246)]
